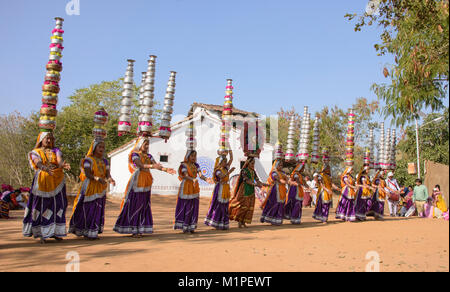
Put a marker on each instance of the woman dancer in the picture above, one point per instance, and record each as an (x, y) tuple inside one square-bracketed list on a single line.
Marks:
[(364, 194), (88, 216), (186, 212), (378, 200), (273, 206), (136, 215), (45, 215), (242, 202), (293, 207), (346, 206), (217, 216), (324, 195)]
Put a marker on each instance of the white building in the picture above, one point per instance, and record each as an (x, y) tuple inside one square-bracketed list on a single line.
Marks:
[(207, 123)]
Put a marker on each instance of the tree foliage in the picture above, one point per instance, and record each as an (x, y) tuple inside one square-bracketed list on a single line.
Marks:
[(73, 131), (416, 33), (433, 145)]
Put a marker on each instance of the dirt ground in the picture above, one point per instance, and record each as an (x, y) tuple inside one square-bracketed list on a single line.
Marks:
[(411, 244)]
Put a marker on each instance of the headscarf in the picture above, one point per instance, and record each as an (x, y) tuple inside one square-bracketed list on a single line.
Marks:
[(326, 169), (40, 138), (247, 162), (136, 149), (94, 145), (219, 160), (298, 169), (188, 153)]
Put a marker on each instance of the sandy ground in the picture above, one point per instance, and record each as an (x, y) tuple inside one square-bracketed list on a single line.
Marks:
[(412, 244)]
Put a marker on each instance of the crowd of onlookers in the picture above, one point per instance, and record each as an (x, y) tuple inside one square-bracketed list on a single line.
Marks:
[(416, 200), (410, 200), (12, 199)]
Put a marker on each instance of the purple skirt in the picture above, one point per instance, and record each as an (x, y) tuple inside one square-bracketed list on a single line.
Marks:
[(322, 210), (186, 214), (136, 215), (45, 217), (217, 216), (273, 211), (88, 218), (293, 208), (376, 208), (346, 208), (362, 206)]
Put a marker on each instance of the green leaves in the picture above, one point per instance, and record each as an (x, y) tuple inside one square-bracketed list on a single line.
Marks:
[(415, 32)]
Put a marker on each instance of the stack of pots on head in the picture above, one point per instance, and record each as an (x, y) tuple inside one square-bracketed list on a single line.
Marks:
[(367, 158), (191, 143), (50, 89), (371, 149), (227, 119), (325, 156), (100, 120), (141, 94), (315, 156), (381, 145), (164, 130), (302, 155), (278, 151), (350, 142), (145, 125), (290, 151), (393, 145), (387, 149), (127, 100)]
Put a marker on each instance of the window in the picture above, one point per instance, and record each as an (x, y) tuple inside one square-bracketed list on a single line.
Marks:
[(163, 158)]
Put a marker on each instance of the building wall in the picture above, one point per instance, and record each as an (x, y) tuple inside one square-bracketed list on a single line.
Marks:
[(208, 132), (437, 174)]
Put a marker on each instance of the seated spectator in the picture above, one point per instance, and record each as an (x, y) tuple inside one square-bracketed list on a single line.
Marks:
[(10, 199), (438, 199), (436, 206), (408, 207)]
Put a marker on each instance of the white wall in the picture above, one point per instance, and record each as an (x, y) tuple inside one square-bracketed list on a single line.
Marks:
[(208, 133)]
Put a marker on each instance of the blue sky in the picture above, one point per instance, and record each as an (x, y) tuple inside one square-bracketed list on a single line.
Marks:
[(279, 53)]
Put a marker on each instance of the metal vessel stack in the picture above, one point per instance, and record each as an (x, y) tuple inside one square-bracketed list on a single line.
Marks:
[(164, 130), (303, 155), (315, 155), (227, 119), (371, 149), (350, 142), (145, 123), (50, 89), (100, 121), (279, 155), (124, 126), (381, 145), (387, 149), (191, 142), (290, 148), (392, 164)]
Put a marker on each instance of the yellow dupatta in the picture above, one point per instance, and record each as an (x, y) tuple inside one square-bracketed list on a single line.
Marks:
[(188, 187), (90, 188), (46, 184)]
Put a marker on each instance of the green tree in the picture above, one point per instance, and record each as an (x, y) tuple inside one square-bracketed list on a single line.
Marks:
[(415, 33), (433, 142), (16, 143)]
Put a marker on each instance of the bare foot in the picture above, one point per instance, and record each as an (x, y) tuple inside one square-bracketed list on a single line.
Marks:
[(42, 241)]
